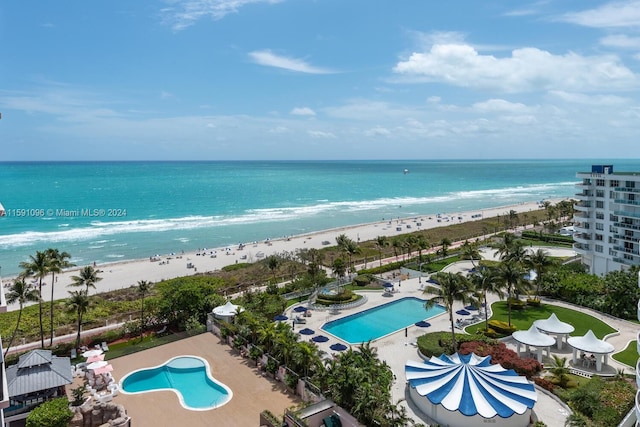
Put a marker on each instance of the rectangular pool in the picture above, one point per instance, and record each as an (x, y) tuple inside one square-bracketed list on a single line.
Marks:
[(382, 320)]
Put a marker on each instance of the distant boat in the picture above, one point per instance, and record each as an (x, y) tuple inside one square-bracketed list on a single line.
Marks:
[(2, 211), (406, 171)]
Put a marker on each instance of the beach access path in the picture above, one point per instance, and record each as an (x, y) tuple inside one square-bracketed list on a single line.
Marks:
[(128, 273)]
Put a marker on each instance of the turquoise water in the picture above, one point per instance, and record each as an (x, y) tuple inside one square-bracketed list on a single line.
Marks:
[(382, 320), (115, 211), (185, 375)]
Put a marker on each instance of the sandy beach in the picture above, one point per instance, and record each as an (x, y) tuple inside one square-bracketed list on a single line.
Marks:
[(167, 266)]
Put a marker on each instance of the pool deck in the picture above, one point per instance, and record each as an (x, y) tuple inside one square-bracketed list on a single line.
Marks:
[(252, 393)]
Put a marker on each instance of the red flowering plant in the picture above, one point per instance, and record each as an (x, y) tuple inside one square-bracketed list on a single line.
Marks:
[(507, 358)]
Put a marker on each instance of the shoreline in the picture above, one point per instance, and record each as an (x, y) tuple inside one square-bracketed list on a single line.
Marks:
[(127, 273)]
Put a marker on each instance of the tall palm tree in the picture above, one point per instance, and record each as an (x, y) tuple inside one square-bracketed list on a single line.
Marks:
[(510, 275), (339, 268), (21, 292), (79, 303), (423, 244), (452, 287), (444, 246), (273, 262), (381, 242), (486, 280), (38, 267), (58, 262), (470, 251), (540, 262), (560, 370), (143, 289), (88, 278)]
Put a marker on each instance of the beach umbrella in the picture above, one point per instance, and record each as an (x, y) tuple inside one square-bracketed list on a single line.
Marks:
[(300, 309), (463, 312), (306, 331), (103, 370), (338, 347), (90, 353), (96, 358), (320, 338), (97, 365), (434, 281), (388, 285), (471, 308), (280, 317), (422, 324)]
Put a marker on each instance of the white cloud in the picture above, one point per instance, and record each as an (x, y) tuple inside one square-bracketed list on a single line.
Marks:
[(270, 59), (499, 105), (279, 130), (581, 98), (621, 41), (434, 100), (320, 134), (302, 111), (378, 131), (527, 69), (184, 13), (609, 15)]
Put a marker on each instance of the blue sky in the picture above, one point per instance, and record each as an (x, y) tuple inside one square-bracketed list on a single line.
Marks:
[(319, 79)]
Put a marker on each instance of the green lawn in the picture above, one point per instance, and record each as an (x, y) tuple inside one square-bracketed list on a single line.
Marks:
[(136, 344), (523, 319), (628, 356)]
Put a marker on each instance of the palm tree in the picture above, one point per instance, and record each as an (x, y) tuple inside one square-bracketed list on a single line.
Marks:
[(381, 242), (423, 244), (510, 275), (470, 251), (339, 268), (21, 292), (444, 246), (143, 289), (508, 240), (273, 263), (58, 262), (88, 278), (560, 370), (38, 267), (79, 303), (540, 262), (486, 280), (452, 287)]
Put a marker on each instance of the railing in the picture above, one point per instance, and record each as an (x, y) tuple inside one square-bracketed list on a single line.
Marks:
[(628, 189), (627, 213), (626, 226), (628, 202), (626, 250)]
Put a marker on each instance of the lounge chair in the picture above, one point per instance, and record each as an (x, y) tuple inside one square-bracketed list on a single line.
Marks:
[(104, 346), (299, 319), (162, 331), (74, 353)]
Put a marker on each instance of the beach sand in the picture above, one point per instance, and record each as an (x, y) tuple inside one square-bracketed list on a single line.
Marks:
[(128, 273)]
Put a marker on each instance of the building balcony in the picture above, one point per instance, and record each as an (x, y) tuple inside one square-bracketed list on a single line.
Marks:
[(638, 406), (638, 374), (628, 202), (625, 261), (581, 248), (628, 189), (627, 238), (585, 195), (581, 216), (582, 238), (630, 251), (580, 207), (626, 226), (627, 214)]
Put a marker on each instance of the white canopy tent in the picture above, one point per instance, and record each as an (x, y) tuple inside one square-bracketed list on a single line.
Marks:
[(227, 311), (591, 344), (554, 326), (533, 337)]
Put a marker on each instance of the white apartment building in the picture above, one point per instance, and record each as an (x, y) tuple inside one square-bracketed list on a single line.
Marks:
[(607, 219)]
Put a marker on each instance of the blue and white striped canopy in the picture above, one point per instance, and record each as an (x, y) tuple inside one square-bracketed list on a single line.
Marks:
[(472, 385)]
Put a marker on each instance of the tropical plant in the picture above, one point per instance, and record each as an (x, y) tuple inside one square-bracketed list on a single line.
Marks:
[(38, 267), (78, 303), (510, 275), (52, 413), (273, 263), (88, 278), (143, 289), (21, 292), (485, 280), (540, 262), (339, 268), (560, 371), (445, 243), (470, 251), (58, 261), (451, 288), (381, 242)]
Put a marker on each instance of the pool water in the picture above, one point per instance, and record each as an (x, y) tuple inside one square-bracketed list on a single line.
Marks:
[(380, 321), (187, 376)]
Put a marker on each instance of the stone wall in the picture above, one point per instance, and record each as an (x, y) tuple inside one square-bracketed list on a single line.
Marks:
[(100, 415)]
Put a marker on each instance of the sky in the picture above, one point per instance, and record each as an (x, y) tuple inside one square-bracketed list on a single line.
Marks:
[(319, 79)]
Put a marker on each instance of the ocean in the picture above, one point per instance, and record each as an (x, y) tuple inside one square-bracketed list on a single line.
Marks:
[(116, 211)]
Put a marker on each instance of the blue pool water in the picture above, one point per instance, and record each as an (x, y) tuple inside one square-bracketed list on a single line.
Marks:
[(187, 376), (382, 320)]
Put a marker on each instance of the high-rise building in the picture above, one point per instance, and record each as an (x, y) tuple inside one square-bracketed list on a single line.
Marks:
[(4, 391), (607, 219)]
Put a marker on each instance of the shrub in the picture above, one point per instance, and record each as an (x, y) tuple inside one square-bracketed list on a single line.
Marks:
[(52, 413), (501, 327), (499, 353), (545, 384), (534, 302), (362, 280), (517, 304)]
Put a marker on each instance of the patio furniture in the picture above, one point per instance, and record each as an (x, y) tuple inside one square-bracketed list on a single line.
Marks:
[(104, 346)]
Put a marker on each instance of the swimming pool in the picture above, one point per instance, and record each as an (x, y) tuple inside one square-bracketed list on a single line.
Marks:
[(382, 320), (187, 376)]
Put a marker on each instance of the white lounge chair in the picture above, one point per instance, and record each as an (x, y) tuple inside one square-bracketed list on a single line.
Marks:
[(74, 353), (104, 346)]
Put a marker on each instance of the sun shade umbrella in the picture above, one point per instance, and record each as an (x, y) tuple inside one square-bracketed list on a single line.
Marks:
[(388, 285), (280, 317), (463, 312), (338, 347), (95, 358), (422, 324), (103, 370), (90, 353), (306, 331), (471, 308), (300, 309), (320, 338), (97, 365)]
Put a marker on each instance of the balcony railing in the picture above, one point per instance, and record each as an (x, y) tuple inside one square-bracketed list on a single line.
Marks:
[(628, 202), (627, 238), (626, 250), (581, 247), (626, 225), (624, 261), (627, 214), (582, 237), (628, 189)]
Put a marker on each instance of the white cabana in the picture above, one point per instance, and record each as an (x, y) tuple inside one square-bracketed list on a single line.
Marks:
[(589, 343), (227, 311), (533, 337), (554, 326)]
